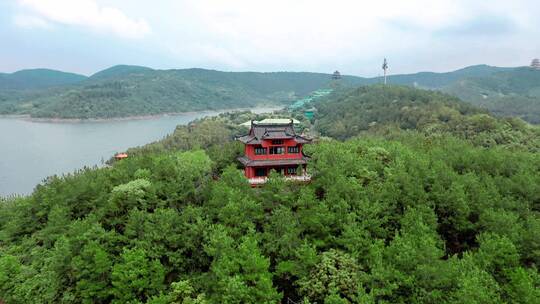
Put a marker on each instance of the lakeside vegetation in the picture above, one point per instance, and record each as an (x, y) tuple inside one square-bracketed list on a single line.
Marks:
[(437, 202)]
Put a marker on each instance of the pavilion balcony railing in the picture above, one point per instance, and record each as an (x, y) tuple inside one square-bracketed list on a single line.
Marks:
[(296, 178)]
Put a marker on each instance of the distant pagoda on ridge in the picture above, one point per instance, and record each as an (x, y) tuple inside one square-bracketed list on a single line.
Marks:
[(336, 75), (535, 64)]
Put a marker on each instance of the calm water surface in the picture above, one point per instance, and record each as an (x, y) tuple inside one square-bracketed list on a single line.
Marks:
[(31, 151)]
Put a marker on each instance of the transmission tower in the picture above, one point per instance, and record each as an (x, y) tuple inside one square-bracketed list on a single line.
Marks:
[(385, 68)]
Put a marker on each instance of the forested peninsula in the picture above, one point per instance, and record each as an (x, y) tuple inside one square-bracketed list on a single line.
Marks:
[(415, 197)]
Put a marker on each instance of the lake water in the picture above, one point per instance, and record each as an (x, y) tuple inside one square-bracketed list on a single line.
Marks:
[(31, 151)]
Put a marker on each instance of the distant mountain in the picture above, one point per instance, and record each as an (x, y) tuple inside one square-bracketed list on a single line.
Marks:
[(123, 91), (119, 71), (438, 80), (513, 92), (126, 90), (523, 81), (38, 79)]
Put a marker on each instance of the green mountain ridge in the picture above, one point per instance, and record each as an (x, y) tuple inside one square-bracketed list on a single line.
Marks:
[(129, 91), (37, 79), (119, 70), (432, 80), (126, 90), (514, 92)]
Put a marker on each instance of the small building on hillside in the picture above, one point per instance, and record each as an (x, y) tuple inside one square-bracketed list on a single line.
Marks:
[(119, 156), (535, 64), (273, 146)]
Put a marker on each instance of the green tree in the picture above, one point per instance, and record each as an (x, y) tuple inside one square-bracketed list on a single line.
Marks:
[(523, 286), (335, 276), (474, 285), (181, 177), (10, 270), (136, 277), (181, 293), (92, 271), (240, 271)]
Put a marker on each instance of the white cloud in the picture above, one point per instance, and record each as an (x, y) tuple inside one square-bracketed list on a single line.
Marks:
[(87, 13), (31, 22), (284, 30), (352, 36), (346, 34)]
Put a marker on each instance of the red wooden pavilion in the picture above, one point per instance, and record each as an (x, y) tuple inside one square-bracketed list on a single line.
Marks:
[(274, 146)]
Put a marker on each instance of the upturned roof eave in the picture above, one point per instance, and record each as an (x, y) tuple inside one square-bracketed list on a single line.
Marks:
[(272, 162)]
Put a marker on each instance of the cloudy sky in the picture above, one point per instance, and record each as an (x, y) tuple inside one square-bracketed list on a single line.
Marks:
[(354, 36)]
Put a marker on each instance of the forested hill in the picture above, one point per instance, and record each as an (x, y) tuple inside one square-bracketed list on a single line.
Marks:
[(130, 91), (405, 213), (124, 90), (120, 71), (502, 91), (514, 92), (433, 80), (300, 83), (37, 79), (378, 108)]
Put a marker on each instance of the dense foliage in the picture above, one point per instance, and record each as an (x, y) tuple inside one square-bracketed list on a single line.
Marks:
[(515, 92), (378, 109), (436, 202), (413, 220)]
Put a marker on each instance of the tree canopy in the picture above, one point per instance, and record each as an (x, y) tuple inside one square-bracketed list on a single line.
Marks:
[(392, 215)]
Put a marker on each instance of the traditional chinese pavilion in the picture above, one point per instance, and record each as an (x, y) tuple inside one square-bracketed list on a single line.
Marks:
[(535, 64), (336, 75), (273, 146)]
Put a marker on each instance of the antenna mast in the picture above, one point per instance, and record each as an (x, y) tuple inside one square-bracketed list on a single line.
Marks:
[(385, 67)]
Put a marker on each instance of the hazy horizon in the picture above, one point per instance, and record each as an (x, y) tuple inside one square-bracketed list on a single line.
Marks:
[(248, 71), (86, 36)]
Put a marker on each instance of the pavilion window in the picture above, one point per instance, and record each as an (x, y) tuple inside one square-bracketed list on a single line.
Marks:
[(277, 150), (277, 142), (260, 150), (291, 171), (260, 171), (295, 149)]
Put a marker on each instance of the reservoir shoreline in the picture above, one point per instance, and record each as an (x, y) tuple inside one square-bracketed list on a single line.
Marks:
[(31, 150), (28, 117)]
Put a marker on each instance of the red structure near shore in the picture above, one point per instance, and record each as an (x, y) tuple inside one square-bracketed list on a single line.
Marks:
[(119, 156), (273, 146)]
